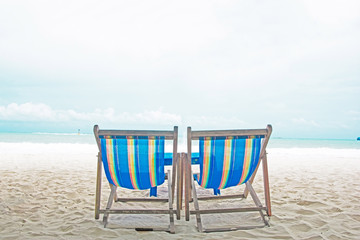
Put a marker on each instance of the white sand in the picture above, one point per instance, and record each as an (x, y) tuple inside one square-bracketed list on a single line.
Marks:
[(49, 194)]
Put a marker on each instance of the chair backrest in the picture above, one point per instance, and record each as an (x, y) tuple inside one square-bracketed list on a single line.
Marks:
[(134, 159), (228, 157)]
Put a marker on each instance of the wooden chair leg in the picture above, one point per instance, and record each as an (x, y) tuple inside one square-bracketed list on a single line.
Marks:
[(191, 177), (115, 194), (179, 186), (109, 204), (196, 206), (98, 187), (173, 181), (182, 178), (251, 180), (187, 185), (266, 185), (171, 213), (256, 201)]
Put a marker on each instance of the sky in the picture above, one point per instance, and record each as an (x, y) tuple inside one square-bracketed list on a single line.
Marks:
[(67, 65)]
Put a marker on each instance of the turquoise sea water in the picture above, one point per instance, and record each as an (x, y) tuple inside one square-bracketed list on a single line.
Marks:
[(314, 143), (47, 138), (90, 139)]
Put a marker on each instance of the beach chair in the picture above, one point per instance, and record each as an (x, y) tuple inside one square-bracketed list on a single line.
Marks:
[(134, 159), (227, 158)]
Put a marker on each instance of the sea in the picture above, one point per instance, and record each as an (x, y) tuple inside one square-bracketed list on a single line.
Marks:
[(75, 141)]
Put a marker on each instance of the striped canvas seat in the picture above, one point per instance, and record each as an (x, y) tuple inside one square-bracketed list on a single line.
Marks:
[(134, 159), (133, 162), (227, 162), (227, 158)]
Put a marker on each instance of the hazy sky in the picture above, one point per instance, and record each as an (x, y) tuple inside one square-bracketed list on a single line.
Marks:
[(67, 65)]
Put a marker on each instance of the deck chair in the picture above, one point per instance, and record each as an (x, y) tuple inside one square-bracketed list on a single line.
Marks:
[(134, 159), (227, 158)]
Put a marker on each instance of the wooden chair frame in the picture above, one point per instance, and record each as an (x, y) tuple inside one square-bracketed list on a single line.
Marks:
[(171, 177), (190, 190)]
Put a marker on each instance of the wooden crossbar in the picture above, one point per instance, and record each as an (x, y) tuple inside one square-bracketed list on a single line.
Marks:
[(136, 211), (166, 134), (220, 133), (221, 197), (226, 229), (141, 200), (228, 210)]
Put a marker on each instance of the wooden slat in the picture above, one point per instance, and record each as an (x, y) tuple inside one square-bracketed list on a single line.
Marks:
[(188, 175), (171, 210), (179, 185), (136, 211), (196, 205), (226, 229), (221, 197), (265, 142), (142, 200), (222, 133), (262, 155), (253, 194), (109, 204), (228, 210), (175, 158), (166, 134), (257, 201), (266, 186), (98, 186), (96, 133)]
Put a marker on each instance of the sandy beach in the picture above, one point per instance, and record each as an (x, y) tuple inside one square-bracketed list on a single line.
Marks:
[(49, 194), (191, 70)]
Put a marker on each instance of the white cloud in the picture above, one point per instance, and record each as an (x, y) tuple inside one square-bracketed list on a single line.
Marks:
[(28, 111), (44, 113)]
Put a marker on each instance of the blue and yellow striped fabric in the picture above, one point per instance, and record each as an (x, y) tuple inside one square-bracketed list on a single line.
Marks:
[(226, 162), (133, 162)]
